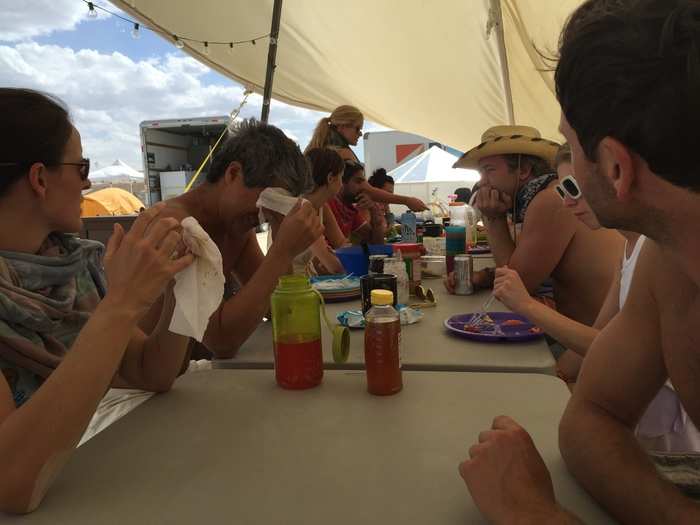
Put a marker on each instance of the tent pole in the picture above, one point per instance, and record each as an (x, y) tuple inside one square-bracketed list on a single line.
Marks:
[(271, 55), (503, 55)]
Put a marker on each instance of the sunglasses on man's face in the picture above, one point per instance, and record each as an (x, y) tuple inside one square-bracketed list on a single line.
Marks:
[(568, 187)]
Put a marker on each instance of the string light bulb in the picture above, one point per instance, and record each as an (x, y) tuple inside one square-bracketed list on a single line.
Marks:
[(178, 43), (206, 48), (135, 33), (252, 42), (92, 12), (230, 48)]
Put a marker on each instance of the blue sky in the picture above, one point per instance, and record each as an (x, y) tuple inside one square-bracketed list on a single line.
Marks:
[(111, 81)]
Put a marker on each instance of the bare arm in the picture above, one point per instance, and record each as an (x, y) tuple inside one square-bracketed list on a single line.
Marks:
[(510, 290), (332, 231), (250, 260), (546, 233), (245, 309), (153, 362), (508, 479), (374, 228), (379, 195), (238, 317), (621, 374), (327, 258), (37, 439)]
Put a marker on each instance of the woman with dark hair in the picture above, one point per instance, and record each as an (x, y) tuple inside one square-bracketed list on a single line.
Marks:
[(327, 171), (64, 338), (381, 180)]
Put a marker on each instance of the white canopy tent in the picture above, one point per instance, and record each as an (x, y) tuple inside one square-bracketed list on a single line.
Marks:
[(478, 60), (428, 172), (330, 53), (118, 172)]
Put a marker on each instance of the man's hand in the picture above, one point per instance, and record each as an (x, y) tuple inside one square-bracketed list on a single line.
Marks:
[(509, 288), (364, 202), (415, 204), (449, 282), (480, 280), (492, 203), (140, 264), (299, 230), (507, 477)]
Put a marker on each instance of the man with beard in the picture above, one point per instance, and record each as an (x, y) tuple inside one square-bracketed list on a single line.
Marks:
[(627, 81)]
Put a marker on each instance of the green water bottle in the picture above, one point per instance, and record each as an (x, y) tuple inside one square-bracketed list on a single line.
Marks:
[(296, 333)]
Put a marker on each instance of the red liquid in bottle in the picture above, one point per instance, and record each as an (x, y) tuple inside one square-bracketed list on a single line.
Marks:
[(298, 365), (382, 359)]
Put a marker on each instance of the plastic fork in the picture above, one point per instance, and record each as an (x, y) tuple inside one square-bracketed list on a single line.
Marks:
[(478, 316)]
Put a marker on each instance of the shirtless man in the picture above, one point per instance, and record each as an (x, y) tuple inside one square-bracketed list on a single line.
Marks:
[(254, 157), (650, 187), (515, 165)]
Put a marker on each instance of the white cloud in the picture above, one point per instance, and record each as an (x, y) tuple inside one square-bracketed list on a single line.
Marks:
[(110, 94), (29, 19)]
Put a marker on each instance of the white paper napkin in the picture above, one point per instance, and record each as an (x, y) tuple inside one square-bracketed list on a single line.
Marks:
[(199, 288), (282, 201)]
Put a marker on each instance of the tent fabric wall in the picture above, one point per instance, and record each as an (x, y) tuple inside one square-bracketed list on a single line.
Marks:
[(417, 66)]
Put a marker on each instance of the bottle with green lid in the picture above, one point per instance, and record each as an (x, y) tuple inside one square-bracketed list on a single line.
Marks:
[(382, 345), (296, 333)]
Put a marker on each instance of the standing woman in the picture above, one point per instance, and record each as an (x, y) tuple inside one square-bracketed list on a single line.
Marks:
[(342, 129)]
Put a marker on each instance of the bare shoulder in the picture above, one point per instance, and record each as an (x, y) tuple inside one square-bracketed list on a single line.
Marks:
[(657, 270), (548, 203), (547, 212), (175, 209)]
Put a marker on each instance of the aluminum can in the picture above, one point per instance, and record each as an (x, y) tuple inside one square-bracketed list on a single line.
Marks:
[(464, 267)]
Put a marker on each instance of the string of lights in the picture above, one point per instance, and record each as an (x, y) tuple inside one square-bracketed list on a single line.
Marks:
[(178, 40)]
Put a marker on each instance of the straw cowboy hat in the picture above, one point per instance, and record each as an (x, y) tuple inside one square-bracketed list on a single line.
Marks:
[(506, 140)]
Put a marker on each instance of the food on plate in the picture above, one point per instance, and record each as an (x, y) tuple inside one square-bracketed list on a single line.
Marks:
[(343, 283), (512, 322), (535, 330)]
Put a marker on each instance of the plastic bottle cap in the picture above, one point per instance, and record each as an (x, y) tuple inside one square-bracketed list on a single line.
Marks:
[(382, 297)]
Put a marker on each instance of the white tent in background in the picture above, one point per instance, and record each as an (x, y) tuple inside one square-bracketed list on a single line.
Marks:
[(429, 171), (118, 173)]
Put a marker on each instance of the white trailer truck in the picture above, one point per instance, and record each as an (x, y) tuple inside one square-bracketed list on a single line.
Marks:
[(173, 149)]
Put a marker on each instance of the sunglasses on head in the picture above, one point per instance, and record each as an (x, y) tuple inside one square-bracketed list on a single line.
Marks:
[(84, 166), (568, 187)]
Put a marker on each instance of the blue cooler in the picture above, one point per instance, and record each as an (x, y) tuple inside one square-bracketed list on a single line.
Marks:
[(356, 262)]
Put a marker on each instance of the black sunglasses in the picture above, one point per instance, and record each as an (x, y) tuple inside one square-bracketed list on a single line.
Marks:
[(84, 165)]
